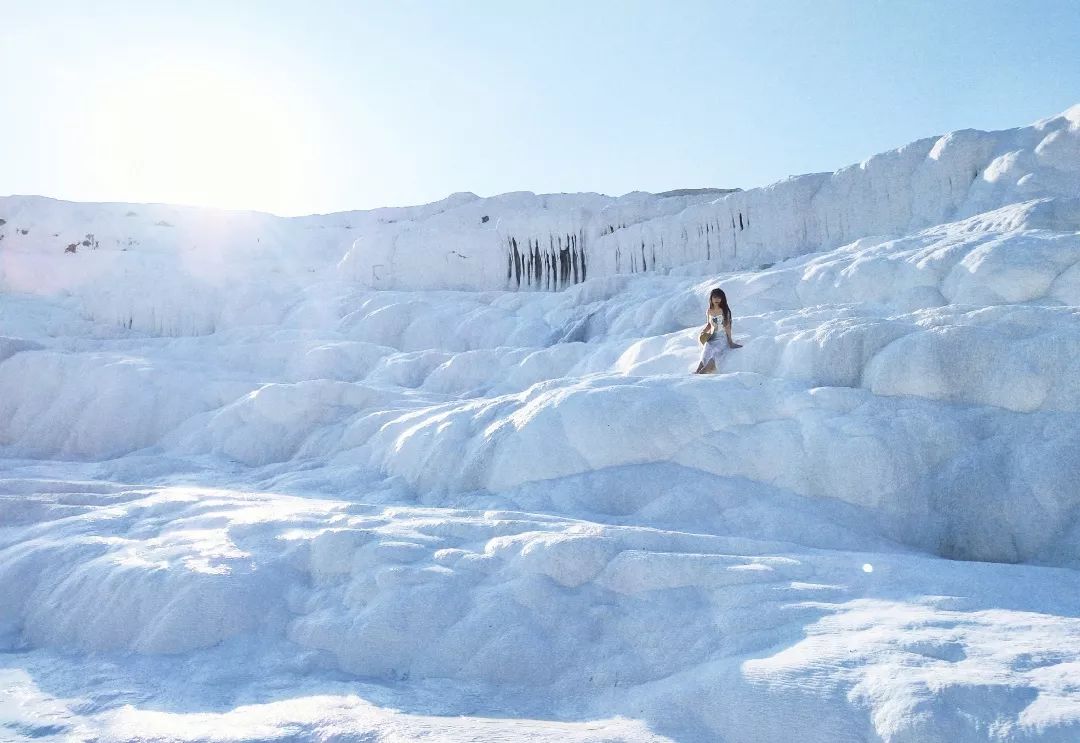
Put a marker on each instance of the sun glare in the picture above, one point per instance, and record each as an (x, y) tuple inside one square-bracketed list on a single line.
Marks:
[(188, 134)]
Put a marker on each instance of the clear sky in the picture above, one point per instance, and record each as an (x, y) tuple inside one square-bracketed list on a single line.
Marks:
[(302, 107)]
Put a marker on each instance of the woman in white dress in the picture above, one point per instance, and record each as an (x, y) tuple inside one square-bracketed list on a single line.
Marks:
[(713, 345)]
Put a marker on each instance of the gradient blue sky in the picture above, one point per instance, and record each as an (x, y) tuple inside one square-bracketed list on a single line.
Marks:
[(323, 106)]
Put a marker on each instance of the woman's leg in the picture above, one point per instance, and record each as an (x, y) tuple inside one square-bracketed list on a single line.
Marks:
[(707, 365)]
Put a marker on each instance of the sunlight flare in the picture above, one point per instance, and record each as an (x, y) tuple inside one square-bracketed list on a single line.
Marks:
[(197, 136)]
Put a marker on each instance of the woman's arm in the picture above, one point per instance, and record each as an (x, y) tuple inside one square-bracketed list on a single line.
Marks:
[(727, 331), (707, 332)]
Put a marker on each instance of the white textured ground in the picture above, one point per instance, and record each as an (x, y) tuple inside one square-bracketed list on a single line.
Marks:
[(262, 481)]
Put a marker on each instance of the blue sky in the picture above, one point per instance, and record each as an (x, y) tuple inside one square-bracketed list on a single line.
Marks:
[(316, 107)]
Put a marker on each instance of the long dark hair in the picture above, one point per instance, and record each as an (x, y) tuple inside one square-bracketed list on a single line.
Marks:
[(718, 293)]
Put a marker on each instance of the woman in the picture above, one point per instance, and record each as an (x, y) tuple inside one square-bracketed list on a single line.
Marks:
[(712, 346)]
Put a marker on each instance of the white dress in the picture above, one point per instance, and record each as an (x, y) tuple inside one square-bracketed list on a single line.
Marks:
[(716, 346)]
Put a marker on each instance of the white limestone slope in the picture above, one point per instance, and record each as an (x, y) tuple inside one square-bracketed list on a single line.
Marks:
[(553, 243), (246, 496)]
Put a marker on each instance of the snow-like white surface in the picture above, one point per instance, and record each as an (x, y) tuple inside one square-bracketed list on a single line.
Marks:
[(339, 477)]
